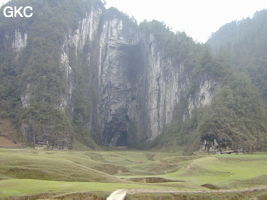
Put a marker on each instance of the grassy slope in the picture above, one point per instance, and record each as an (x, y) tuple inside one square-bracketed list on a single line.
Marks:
[(27, 171), (203, 196), (23, 187), (226, 171)]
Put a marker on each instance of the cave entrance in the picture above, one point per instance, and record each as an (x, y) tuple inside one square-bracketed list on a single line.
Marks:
[(122, 140), (116, 131)]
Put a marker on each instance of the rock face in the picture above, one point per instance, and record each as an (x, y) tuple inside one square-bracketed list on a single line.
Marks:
[(119, 80), (20, 41), (138, 86), (203, 97), (132, 86)]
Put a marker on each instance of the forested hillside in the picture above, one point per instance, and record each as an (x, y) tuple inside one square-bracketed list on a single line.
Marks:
[(78, 73), (243, 44), (235, 117)]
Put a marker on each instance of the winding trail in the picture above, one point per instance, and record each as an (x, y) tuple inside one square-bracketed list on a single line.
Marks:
[(122, 193)]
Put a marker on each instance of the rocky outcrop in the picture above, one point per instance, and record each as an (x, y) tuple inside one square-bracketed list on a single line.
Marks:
[(20, 41), (164, 88), (117, 195), (203, 97)]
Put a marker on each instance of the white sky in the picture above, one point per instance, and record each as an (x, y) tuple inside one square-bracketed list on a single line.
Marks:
[(198, 18), (2, 2)]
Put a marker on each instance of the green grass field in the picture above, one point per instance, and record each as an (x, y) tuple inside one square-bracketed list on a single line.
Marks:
[(26, 172)]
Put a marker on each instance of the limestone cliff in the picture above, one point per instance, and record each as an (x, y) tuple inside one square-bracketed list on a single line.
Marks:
[(132, 88), (137, 86), (95, 73)]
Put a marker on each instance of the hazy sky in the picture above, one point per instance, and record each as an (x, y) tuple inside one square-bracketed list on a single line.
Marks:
[(198, 18), (2, 2)]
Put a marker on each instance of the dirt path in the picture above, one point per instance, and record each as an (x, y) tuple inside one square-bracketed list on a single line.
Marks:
[(121, 194), (7, 132), (7, 143)]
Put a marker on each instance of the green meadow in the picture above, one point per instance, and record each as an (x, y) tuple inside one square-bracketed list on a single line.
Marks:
[(26, 172)]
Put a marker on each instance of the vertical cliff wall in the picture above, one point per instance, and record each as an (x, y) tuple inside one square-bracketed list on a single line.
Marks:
[(121, 81), (97, 75)]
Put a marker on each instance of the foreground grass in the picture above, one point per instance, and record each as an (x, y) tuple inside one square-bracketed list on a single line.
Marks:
[(203, 196), (27, 171), (23, 187), (225, 171)]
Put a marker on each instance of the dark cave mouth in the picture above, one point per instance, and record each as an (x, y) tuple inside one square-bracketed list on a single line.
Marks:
[(116, 130), (122, 140), (115, 137)]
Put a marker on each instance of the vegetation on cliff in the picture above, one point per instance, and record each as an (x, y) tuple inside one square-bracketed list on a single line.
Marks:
[(233, 60)]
